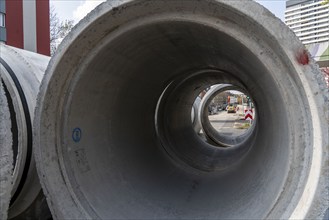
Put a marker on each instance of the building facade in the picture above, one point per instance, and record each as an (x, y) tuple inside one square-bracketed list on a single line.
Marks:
[(25, 24), (309, 19), (3, 33)]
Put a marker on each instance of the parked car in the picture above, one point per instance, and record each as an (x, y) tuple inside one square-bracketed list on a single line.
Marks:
[(231, 109), (212, 109)]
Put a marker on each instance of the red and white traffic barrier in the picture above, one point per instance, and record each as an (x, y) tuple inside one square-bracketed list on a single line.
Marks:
[(248, 114)]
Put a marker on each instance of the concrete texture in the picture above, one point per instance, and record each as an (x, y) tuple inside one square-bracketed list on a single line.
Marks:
[(99, 161), (6, 155), (194, 115), (21, 73)]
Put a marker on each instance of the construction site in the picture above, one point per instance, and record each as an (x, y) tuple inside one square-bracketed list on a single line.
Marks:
[(166, 109)]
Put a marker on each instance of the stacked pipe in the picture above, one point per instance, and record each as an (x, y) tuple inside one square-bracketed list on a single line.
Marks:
[(21, 74), (6, 155), (113, 135)]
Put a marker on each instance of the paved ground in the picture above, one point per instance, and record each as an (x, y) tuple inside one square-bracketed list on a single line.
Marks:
[(229, 123)]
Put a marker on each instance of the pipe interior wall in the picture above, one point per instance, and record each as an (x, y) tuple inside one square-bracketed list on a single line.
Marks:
[(114, 112)]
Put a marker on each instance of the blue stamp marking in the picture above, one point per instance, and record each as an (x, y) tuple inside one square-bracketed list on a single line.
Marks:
[(76, 135)]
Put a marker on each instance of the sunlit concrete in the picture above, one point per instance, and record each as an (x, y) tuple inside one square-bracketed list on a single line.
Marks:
[(97, 160)]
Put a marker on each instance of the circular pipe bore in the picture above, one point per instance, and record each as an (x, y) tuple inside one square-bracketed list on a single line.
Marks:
[(211, 133), (21, 73), (114, 111), (172, 114)]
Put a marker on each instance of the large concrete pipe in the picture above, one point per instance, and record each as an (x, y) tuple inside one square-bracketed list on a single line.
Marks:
[(21, 74), (194, 115), (6, 154), (221, 139), (114, 137)]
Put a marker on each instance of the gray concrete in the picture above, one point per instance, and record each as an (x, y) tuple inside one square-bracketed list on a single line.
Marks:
[(194, 115), (6, 155), (99, 161), (21, 72)]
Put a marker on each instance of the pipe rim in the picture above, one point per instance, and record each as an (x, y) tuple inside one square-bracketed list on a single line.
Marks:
[(221, 139), (302, 208), (20, 159), (22, 71)]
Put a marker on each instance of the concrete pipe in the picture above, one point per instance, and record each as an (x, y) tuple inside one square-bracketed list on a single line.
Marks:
[(6, 155), (194, 115), (220, 139), (21, 74), (114, 137)]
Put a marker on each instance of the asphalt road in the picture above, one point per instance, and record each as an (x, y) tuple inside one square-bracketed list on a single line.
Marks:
[(228, 123)]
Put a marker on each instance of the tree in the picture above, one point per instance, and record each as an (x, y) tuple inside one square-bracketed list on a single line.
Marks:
[(54, 29), (66, 27), (325, 2), (58, 30)]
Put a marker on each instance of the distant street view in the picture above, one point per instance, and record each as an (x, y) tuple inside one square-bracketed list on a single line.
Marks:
[(230, 124)]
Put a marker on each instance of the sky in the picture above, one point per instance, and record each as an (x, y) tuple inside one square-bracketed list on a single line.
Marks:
[(77, 9)]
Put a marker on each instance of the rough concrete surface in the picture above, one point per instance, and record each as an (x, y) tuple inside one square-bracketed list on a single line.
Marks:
[(6, 155), (97, 160), (21, 72)]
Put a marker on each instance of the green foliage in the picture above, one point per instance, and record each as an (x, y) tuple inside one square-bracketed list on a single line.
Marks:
[(244, 126), (325, 2)]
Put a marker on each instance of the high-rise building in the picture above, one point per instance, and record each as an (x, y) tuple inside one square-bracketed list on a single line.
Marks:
[(3, 33), (25, 24), (309, 19)]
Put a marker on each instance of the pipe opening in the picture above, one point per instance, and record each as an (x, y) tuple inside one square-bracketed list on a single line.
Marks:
[(177, 133), (14, 127), (222, 115), (19, 134), (132, 102), (128, 78), (234, 104)]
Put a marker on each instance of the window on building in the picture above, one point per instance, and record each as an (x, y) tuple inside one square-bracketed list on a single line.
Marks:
[(2, 20)]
